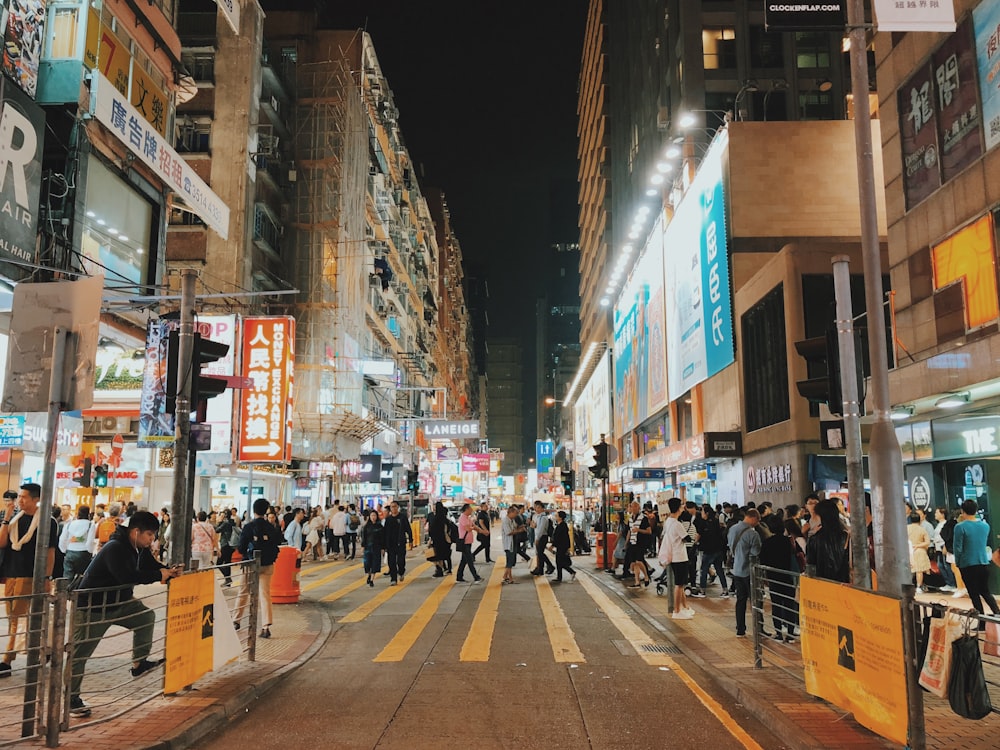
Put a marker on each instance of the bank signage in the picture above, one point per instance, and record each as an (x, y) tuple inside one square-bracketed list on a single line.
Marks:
[(445, 430), (791, 16)]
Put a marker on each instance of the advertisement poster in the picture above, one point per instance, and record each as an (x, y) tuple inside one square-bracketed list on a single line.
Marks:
[(696, 262), (268, 357), (22, 131), (22, 42), (918, 133), (219, 411), (852, 654), (958, 122), (543, 456), (476, 462), (591, 408), (156, 426), (986, 21), (190, 630)]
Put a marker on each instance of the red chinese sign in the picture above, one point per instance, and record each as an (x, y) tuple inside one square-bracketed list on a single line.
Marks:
[(268, 357)]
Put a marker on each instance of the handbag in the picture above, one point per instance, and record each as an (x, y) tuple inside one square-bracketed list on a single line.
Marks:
[(936, 671), (967, 692)]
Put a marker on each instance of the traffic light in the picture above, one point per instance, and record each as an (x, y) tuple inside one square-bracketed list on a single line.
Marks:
[(822, 356), (100, 475), (412, 481), (203, 387), (567, 480), (600, 467), (84, 479)]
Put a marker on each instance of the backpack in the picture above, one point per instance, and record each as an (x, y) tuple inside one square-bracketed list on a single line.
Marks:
[(259, 540), (105, 530), (354, 522)]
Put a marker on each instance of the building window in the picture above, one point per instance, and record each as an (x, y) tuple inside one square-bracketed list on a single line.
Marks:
[(766, 48), (765, 362), (201, 65), (685, 417), (63, 36), (266, 230), (812, 49), (816, 106), (719, 47), (194, 135)]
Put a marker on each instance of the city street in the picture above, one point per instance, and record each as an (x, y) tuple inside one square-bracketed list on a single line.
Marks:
[(434, 663)]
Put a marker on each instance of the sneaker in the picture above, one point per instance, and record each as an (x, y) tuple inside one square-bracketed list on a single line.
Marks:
[(236, 624), (778, 637), (401, 577), (919, 590), (682, 615), (698, 595), (266, 632), (78, 708), (724, 595), (572, 577), (959, 594), (392, 582), (144, 666), (946, 587), (791, 639), (741, 635), (477, 579), (4, 669), (688, 610)]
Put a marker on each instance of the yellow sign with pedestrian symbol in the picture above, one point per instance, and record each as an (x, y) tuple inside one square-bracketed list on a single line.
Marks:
[(852, 653), (190, 629)]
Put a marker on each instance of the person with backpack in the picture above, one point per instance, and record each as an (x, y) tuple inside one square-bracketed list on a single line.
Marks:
[(259, 534), (227, 534), (353, 526), (78, 540), (106, 528)]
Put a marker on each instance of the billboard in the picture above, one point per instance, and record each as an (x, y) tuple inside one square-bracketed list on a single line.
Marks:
[(22, 130), (592, 409), (831, 15), (23, 34), (156, 426), (268, 357), (696, 263), (986, 22), (640, 340)]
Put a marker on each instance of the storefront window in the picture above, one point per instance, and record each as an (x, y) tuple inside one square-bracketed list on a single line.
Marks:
[(117, 225)]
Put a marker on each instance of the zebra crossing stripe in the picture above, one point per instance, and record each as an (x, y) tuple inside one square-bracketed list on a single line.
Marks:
[(383, 596), (561, 638), (480, 638), (407, 635)]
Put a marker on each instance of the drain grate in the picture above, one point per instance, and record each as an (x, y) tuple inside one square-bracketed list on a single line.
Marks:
[(659, 648)]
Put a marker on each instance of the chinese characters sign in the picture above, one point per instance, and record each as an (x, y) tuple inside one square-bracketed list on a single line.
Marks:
[(915, 15), (986, 19), (770, 478), (939, 118), (118, 115), (268, 356)]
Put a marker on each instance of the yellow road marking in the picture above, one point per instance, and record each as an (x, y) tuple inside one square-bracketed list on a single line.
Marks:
[(333, 576), (564, 647), (313, 569), (480, 638), (382, 597), (636, 636), (404, 639), (345, 591)]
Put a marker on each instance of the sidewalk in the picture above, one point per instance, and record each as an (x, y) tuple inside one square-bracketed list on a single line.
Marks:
[(775, 694), (176, 722)]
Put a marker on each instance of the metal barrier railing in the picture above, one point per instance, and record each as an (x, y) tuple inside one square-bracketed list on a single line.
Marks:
[(78, 618)]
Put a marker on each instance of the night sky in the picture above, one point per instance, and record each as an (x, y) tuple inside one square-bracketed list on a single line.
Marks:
[(487, 99)]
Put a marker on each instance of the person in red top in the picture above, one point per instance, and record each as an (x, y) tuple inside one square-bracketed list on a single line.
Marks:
[(466, 536)]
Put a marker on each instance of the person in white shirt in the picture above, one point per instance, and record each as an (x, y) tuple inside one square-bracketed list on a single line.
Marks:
[(338, 527), (673, 552), (79, 541)]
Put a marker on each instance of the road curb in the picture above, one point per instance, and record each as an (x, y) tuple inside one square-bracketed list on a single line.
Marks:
[(221, 713), (780, 725)]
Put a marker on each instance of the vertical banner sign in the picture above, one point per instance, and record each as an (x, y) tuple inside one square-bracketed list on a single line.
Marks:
[(918, 132), (954, 69), (914, 15), (792, 16), (190, 644), (156, 426), (22, 42), (986, 20), (22, 128), (543, 456), (852, 654), (268, 357)]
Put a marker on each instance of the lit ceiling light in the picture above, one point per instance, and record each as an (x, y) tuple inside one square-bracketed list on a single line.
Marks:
[(113, 231), (605, 302), (686, 120), (139, 250), (633, 235), (626, 249), (609, 290), (651, 192), (101, 222), (663, 167), (657, 179), (899, 413), (91, 214), (123, 238), (673, 152), (643, 210), (952, 400)]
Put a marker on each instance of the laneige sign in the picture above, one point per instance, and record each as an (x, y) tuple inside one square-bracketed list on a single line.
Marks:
[(468, 429)]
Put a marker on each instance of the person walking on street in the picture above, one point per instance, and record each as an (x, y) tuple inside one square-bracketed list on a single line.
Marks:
[(466, 535), (123, 562), (228, 535), (437, 530), (541, 523), (338, 533), (78, 540), (263, 535), (510, 527), (561, 545), (521, 537), (483, 524), (920, 542), (745, 543), (639, 536), (674, 552), (353, 527), (398, 534), (372, 540), (293, 530), (972, 536), (712, 543), (203, 540)]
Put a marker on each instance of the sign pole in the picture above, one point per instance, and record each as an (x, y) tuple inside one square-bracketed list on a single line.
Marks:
[(180, 505)]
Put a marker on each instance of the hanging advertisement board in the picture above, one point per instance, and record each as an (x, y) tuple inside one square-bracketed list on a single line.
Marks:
[(986, 23), (268, 359), (893, 15), (22, 131)]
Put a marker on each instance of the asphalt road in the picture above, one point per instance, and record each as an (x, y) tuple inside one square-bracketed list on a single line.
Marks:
[(439, 664)]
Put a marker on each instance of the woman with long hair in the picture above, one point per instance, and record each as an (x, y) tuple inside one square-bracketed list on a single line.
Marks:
[(437, 531), (371, 540), (829, 548)]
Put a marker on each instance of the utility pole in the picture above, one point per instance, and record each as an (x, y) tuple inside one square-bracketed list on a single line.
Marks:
[(181, 506)]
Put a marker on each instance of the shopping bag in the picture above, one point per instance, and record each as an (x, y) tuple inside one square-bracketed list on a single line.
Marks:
[(937, 662), (967, 693), (991, 643)]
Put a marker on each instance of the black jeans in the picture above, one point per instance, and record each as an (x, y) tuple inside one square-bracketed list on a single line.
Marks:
[(544, 565), (397, 561), (742, 597), (467, 561), (563, 562), (976, 578), (352, 540), (484, 544), (520, 542), (226, 557), (784, 608)]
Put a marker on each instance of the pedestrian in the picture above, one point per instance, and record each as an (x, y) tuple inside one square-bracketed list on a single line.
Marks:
[(542, 524), (944, 533), (78, 541), (510, 527), (810, 521), (777, 553), (639, 535), (466, 535), (674, 552), (561, 545), (437, 530), (227, 535), (353, 527), (972, 537), (372, 539), (828, 549), (338, 533), (712, 545), (483, 523), (124, 561), (203, 540), (689, 518), (18, 536), (293, 530), (521, 537), (313, 531), (744, 543), (398, 534), (107, 525), (163, 540), (920, 561), (259, 535)]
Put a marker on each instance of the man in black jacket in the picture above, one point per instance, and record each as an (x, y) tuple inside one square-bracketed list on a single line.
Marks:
[(397, 533), (123, 562)]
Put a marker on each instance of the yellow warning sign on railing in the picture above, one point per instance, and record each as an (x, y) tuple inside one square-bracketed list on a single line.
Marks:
[(190, 629)]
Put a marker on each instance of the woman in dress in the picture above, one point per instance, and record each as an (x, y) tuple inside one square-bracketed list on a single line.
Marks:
[(204, 542), (920, 562), (437, 530), (371, 540)]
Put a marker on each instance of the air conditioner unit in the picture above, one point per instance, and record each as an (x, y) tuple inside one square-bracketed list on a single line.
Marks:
[(116, 425), (382, 310)]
